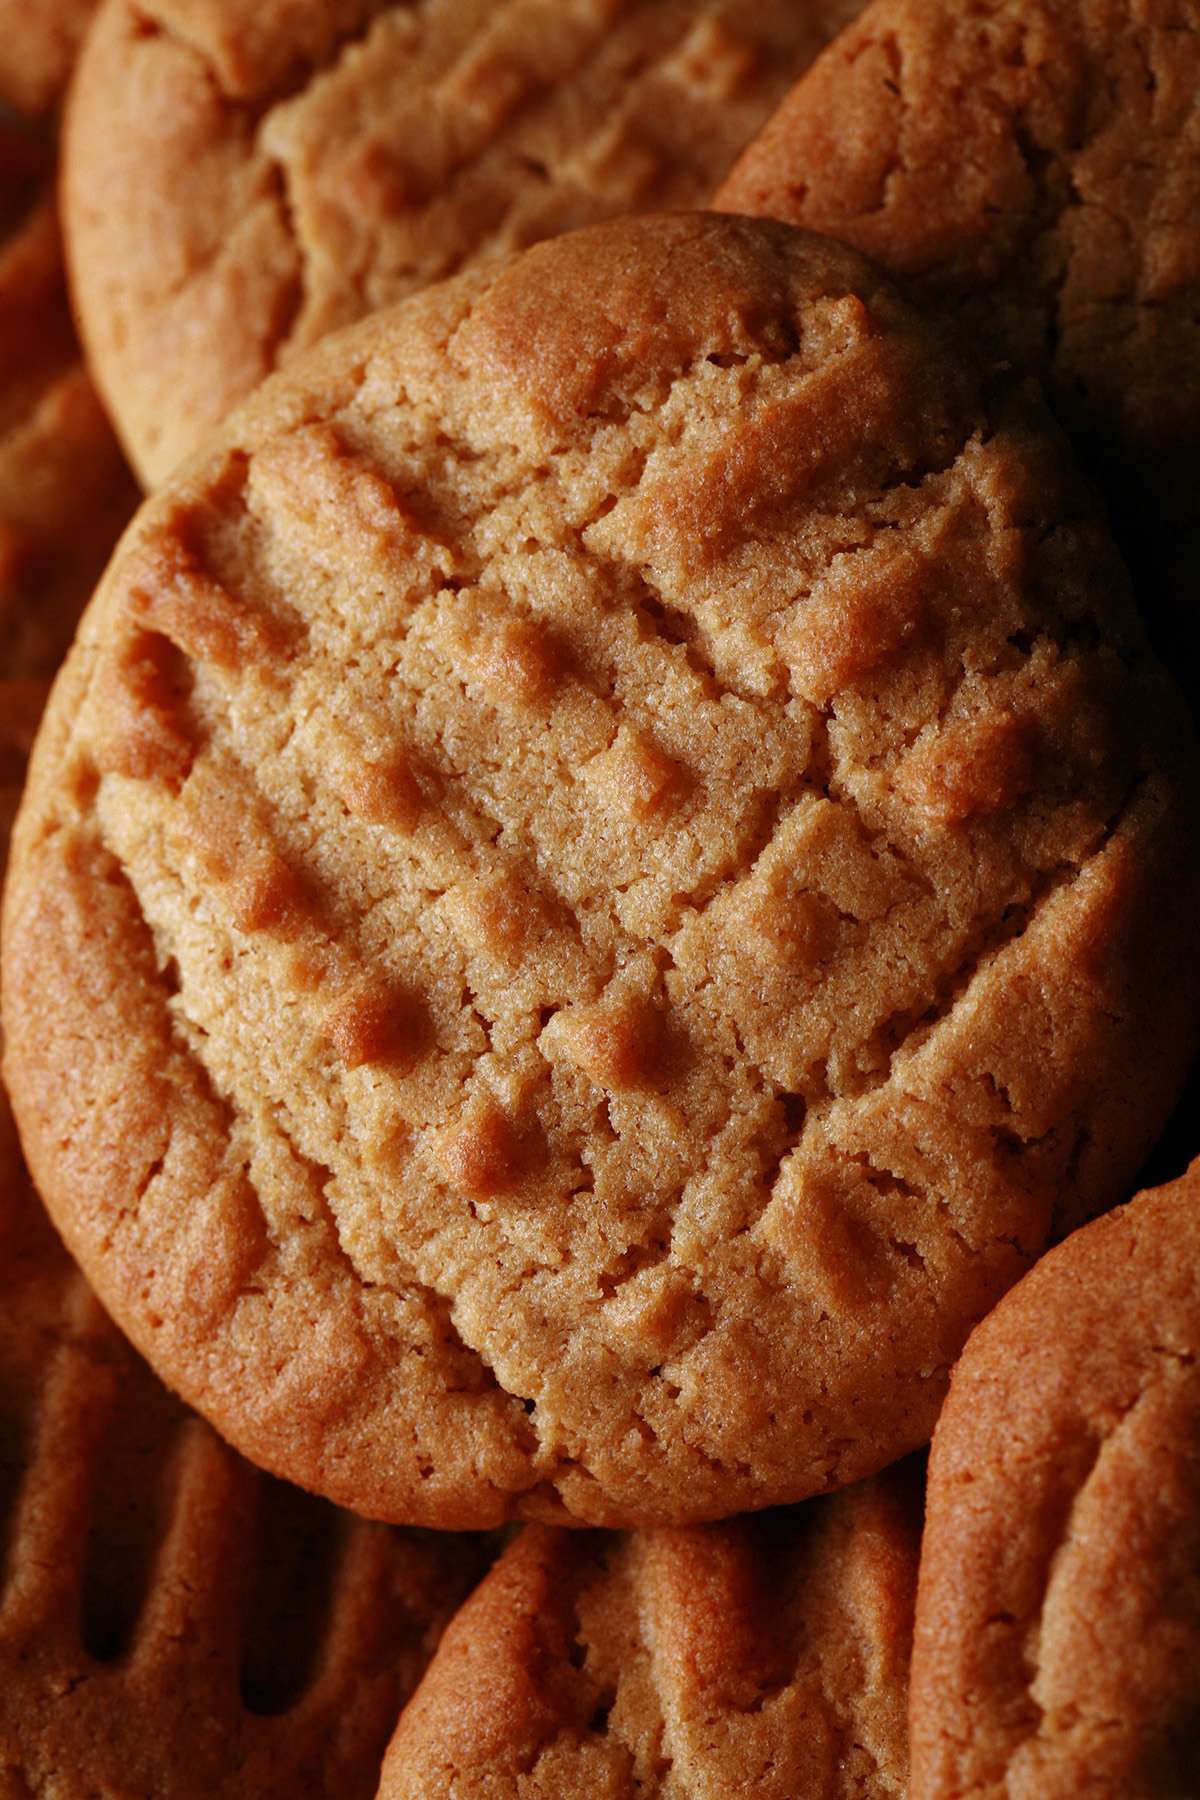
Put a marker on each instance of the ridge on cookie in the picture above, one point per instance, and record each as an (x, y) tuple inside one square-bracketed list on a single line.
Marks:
[(609, 866), (242, 177), (1057, 1645), (1032, 167)]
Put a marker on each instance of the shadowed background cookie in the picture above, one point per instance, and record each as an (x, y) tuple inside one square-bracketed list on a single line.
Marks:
[(241, 178), (65, 492), (609, 865), (1057, 1645), (38, 44), (1033, 166), (766, 1656), (172, 1622)]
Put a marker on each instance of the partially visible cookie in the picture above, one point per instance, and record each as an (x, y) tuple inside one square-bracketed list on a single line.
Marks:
[(239, 179), (609, 865), (65, 490), (1057, 1646), (766, 1656), (1036, 165), (39, 40), (173, 1623), (1033, 166), (21, 701)]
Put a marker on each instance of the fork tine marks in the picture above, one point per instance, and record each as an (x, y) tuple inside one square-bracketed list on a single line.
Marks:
[(48, 1543), (376, 1632), (355, 1621), (193, 1617)]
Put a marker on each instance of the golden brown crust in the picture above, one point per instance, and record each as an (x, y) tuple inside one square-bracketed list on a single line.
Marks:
[(1033, 167), (241, 179), (171, 1621), (1058, 1622), (765, 1656), (617, 826), (1034, 164), (38, 46)]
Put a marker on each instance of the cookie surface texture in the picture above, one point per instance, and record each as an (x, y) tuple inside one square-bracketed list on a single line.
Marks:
[(1036, 165), (173, 1622), (768, 1655), (609, 864), (1033, 166), (1058, 1630), (240, 180)]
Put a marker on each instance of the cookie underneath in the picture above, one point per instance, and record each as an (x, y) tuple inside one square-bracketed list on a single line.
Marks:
[(1058, 1631), (38, 47), (65, 491), (239, 180), (1034, 169), (765, 1656)]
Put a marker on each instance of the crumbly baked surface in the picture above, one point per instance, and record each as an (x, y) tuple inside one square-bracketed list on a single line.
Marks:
[(1033, 163), (1034, 167), (768, 1656), (609, 865), (1057, 1646), (241, 177), (39, 40), (65, 490), (172, 1622)]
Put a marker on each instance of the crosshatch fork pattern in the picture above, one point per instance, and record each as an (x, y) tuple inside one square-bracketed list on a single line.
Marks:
[(769, 1652), (590, 1005)]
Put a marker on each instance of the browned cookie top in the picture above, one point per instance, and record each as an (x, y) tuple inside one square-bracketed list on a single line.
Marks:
[(766, 1656), (608, 866), (173, 1623), (241, 177), (1035, 164), (1058, 1624)]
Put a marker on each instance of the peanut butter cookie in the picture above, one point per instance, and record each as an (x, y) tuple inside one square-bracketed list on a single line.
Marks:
[(38, 46), (609, 865), (240, 177), (1034, 167), (765, 1656), (65, 490), (1058, 1624)]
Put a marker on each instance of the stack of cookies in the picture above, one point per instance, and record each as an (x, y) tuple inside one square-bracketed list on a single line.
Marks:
[(610, 866)]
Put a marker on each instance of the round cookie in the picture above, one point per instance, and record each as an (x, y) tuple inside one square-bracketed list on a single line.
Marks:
[(1057, 1645), (1034, 167), (171, 1621), (239, 179), (608, 866), (765, 1656)]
